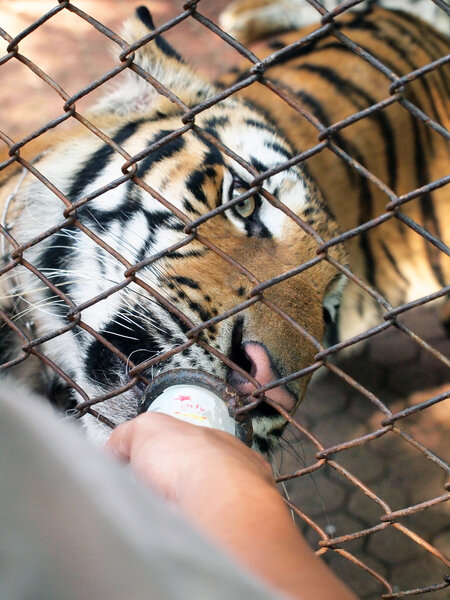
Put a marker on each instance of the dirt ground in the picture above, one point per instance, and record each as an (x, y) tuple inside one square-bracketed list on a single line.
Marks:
[(73, 53), (392, 365)]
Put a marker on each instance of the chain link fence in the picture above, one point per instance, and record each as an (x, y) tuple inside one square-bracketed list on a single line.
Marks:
[(344, 457)]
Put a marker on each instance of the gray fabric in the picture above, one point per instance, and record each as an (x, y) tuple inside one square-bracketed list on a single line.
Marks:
[(73, 524)]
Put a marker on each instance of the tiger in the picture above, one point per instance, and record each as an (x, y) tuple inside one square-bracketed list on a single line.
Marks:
[(129, 245), (332, 82)]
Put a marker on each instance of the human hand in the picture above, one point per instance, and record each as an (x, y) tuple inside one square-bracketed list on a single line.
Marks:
[(186, 463), (228, 491)]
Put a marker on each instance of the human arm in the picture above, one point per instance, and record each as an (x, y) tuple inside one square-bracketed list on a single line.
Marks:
[(228, 491)]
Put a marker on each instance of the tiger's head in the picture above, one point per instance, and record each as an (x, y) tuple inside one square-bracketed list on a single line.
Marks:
[(210, 269)]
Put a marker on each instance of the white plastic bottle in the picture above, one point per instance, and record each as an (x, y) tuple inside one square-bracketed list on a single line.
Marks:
[(195, 405), (198, 398)]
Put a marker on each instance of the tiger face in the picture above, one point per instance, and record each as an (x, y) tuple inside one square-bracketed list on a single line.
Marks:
[(150, 302)]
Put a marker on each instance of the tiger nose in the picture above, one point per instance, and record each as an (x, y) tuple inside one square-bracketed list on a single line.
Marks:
[(261, 368)]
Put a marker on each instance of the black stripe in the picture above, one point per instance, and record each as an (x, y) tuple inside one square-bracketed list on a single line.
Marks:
[(9, 340), (103, 366), (197, 179), (260, 125), (392, 260), (220, 121), (144, 15), (203, 313), (295, 53), (59, 254), (347, 146), (317, 109), (277, 45), (188, 254), (365, 195), (348, 89), (363, 242), (195, 183), (160, 218), (166, 151), (365, 198), (132, 197), (156, 220), (419, 35), (419, 41), (392, 42), (214, 156), (100, 219), (98, 161), (430, 220), (189, 208), (258, 165), (387, 63), (186, 281), (442, 72), (342, 48), (435, 37), (279, 149), (313, 46), (426, 201)]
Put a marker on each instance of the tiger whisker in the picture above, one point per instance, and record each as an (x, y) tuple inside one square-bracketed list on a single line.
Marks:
[(150, 352), (127, 337), (276, 473), (288, 446)]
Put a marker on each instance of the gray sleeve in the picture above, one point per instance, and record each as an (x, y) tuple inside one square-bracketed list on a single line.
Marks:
[(73, 525)]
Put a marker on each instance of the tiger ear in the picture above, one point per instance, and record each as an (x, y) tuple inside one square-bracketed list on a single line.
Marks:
[(161, 61), (140, 25)]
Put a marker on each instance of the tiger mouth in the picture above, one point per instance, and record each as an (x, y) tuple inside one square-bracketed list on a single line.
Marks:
[(254, 358)]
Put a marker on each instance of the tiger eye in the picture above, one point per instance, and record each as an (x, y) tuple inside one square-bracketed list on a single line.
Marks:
[(246, 208)]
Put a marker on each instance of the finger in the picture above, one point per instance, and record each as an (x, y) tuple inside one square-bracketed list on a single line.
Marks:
[(146, 426), (119, 442)]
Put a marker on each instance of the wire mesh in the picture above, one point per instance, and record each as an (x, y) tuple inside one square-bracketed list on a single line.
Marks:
[(344, 465)]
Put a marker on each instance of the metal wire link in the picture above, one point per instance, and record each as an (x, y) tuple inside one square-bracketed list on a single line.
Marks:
[(325, 455)]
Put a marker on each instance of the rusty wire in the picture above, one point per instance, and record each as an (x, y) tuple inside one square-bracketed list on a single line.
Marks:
[(324, 456)]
